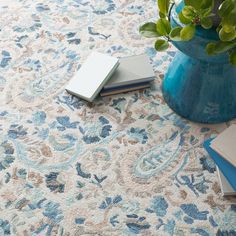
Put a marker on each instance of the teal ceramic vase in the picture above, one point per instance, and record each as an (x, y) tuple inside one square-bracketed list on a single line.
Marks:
[(199, 87)]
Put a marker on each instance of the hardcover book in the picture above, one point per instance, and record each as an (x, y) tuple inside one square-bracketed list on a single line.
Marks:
[(228, 170), (124, 89), (225, 144), (225, 186), (92, 76), (132, 70)]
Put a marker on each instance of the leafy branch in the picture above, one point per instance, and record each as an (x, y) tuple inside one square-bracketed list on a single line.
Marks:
[(195, 13)]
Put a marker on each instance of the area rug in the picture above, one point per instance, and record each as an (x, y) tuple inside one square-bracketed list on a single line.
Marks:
[(123, 165)]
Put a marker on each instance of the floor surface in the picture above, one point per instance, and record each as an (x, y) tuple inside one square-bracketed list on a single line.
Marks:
[(124, 165)]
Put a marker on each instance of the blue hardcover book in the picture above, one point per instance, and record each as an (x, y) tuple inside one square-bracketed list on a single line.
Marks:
[(226, 168), (124, 88)]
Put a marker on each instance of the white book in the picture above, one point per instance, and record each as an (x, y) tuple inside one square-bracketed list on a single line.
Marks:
[(225, 144), (132, 70), (92, 76), (225, 186)]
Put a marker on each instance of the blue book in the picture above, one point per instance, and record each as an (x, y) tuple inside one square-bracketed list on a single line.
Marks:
[(228, 170), (124, 88)]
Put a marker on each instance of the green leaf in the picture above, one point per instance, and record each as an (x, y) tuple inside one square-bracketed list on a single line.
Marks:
[(189, 12), (183, 19), (193, 3), (224, 46), (228, 28), (206, 23), (219, 47), (226, 37), (175, 34), (161, 45), (218, 29), (230, 19), (232, 57), (207, 4), (207, 12), (161, 15), (210, 48), (163, 6), (149, 30), (225, 8), (163, 27), (187, 32)]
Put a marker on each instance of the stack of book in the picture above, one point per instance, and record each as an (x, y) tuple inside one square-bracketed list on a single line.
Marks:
[(133, 73), (222, 150), (108, 75)]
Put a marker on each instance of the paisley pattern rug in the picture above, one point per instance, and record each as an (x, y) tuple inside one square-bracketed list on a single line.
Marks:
[(123, 165)]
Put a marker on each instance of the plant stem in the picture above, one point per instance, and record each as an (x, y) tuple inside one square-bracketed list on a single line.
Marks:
[(172, 5)]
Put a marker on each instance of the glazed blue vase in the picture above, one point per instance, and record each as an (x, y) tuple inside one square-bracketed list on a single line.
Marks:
[(199, 87)]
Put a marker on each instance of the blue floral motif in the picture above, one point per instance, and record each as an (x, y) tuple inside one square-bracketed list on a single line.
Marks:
[(98, 181), (226, 233), (199, 231), (79, 221), (42, 7), (16, 131), (71, 101), (192, 211), (53, 212), (159, 206), (170, 226), (71, 38), (72, 55), (21, 173), (95, 33), (208, 164), (81, 2), (42, 133), (188, 220), (150, 51), (63, 123), (53, 184), (5, 228), (114, 221), (21, 203), (138, 134), (82, 173), (7, 177), (94, 133), (137, 228), (6, 155), (212, 221), (68, 141), (36, 24), (3, 113), (38, 118), (21, 40), (119, 104), (108, 6), (139, 225), (74, 41), (136, 9), (33, 64), (196, 184), (6, 58), (109, 202)]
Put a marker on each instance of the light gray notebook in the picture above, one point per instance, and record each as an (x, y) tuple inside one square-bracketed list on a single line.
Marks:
[(226, 188), (132, 70), (92, 76), (225, 144)]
